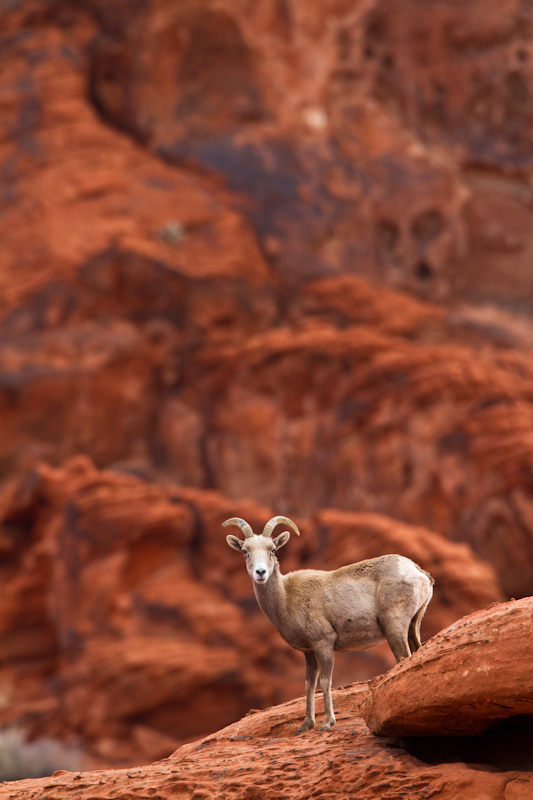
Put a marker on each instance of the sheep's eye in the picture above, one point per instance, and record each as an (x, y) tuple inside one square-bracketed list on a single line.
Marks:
[(244, 552)]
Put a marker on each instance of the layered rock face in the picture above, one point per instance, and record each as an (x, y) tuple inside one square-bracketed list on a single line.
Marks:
[(256, 259), (260, 756), (395, 139), (126, 593)]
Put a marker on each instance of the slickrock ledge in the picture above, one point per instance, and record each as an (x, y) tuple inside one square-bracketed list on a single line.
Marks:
[(463, 681), (260, 757)]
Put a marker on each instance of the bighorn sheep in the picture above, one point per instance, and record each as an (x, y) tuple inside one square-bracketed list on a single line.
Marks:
[(350, 608)]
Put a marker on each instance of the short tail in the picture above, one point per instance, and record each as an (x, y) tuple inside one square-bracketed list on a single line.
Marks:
[(431, 578)]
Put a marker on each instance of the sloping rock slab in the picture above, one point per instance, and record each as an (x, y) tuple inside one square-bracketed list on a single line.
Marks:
[(463, 681), (260, 758)]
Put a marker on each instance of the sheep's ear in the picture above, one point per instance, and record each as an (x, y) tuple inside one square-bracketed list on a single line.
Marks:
[(282, 539), (234, 542)]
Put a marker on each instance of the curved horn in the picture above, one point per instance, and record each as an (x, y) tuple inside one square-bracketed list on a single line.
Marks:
[(243, 525), (271, 524)]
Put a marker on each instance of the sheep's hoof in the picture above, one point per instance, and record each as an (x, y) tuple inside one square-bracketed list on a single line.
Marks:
[(327, 726), (305, 726)]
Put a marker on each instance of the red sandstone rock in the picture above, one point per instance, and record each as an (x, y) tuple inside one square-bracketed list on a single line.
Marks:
[(215, 335), (80, 196), (463, 681), (110, 300), (275, 101), (260, 757), (107, 594), (300, 418), (476, 106), (126, 592), (351, 418), (401, 151)]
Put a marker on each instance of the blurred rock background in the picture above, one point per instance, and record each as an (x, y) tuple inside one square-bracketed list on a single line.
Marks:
[(257, 258)]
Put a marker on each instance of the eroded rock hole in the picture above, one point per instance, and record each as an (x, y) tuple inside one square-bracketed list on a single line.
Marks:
[(423, 271), (375, 35), (506, 746), (218, 77), (428, 226), (388, 235), (517, 90)]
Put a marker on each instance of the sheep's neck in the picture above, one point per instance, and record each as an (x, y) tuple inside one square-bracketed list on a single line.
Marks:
[(271, 597)]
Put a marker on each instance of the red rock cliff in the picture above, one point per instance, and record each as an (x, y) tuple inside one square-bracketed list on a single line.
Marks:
[(273, 251)]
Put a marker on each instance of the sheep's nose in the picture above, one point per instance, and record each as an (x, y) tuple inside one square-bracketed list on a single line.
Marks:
[(260, 573)]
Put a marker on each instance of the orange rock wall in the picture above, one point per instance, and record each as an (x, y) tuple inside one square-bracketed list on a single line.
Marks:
[(277, 251), (126, 593)]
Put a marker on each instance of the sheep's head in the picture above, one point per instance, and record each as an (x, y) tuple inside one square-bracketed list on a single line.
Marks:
[(259, 549)]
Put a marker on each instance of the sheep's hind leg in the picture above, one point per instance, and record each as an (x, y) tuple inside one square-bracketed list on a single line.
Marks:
[(397, 636), (311, 674)]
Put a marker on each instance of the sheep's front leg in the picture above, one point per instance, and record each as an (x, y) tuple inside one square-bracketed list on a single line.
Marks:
[(311, 674), (324, 657)]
